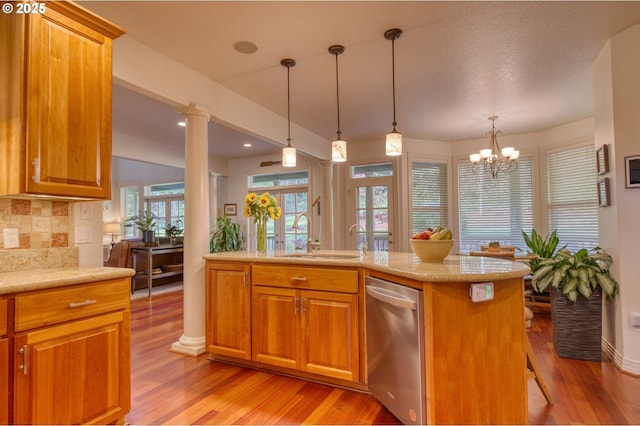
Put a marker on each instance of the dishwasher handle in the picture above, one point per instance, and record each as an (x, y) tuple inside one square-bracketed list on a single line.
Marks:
[(392, 299)]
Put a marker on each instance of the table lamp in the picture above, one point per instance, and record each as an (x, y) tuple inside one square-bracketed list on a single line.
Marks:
[(113, 229)]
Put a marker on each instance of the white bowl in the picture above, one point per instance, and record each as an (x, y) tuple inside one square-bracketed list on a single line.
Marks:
[(431, 250)]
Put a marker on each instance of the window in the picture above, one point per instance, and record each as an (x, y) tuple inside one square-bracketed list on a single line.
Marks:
[(572, 197), (130, 206), (279, 179), (429, 200), (372, 170), (495, 209)]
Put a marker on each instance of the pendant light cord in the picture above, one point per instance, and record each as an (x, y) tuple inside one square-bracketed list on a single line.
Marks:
[(393, 80), (288, 109), (338, 97)]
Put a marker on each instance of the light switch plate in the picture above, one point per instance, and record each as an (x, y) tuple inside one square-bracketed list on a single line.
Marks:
[(481, 292), (11, 238)]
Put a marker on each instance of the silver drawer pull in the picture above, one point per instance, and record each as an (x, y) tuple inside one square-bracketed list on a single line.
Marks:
[(79, 304), (298, 278), (23, 367)]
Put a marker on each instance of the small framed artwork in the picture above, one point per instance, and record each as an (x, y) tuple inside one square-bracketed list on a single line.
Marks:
[(602, 159), (231, 209), (603, 192), (632, 167)]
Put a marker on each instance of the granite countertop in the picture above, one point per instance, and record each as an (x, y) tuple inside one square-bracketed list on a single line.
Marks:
[(35, 279), (455, 268)]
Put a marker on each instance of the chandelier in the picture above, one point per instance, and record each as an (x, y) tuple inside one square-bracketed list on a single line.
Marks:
[(493, 159)]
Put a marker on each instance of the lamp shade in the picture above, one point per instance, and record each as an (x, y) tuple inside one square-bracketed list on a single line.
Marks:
[(111, 228), (394, 144), (288, 157), (338, 151)]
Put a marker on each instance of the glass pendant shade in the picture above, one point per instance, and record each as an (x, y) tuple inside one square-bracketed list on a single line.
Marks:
[(475, 157), (288, 157), (339, 151), (394, 144)]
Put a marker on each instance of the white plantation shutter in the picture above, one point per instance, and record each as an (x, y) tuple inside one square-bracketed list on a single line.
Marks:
[(572, 196), (429, 198), (495, 209)]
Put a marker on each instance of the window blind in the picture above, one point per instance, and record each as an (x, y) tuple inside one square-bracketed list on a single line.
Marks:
[(572, 196), (495, 209), (429, 199)]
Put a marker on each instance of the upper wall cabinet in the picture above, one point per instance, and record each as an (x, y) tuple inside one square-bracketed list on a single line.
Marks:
[(55, 101)]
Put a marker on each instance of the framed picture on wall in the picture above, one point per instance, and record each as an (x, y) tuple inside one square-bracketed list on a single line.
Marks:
[(603, 192), (632, 167), (602, 159), (231, 209)]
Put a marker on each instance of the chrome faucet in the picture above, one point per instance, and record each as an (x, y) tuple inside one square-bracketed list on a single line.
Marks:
[(310, 243), (364, 247)]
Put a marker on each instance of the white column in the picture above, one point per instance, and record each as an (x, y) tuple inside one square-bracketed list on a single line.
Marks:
[(196, 231), (326, 206)]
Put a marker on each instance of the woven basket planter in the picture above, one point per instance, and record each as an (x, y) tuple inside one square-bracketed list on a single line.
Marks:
[(577, 327)]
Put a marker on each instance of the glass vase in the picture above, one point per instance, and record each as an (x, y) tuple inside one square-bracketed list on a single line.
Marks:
[(261, 233)]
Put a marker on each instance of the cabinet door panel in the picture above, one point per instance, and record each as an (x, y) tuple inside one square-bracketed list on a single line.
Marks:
[(4, 381), (228, 313), (276, 330), (69, 108), (75, 373), (330, 333)]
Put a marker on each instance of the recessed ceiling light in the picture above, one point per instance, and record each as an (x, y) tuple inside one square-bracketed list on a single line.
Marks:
[(182, 123), (245, 47), (247, 145)]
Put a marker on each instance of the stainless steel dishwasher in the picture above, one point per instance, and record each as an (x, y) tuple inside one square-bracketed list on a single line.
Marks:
[(395, 349)]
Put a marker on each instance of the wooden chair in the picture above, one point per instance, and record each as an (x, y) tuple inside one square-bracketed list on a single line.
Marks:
[(534, 373), (120, 255)]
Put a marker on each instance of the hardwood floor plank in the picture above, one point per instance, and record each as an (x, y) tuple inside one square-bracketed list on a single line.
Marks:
[(168, 388)]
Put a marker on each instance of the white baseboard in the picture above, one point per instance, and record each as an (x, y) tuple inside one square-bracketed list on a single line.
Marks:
[(627, 365)]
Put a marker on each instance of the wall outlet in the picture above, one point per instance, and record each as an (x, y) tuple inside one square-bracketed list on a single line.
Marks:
[(634, 319), (11, 238)]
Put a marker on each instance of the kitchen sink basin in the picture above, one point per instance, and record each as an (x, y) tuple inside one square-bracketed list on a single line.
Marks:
[(319, 255)]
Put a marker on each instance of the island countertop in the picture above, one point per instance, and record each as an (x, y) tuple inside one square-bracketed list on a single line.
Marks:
[(455, 268), (36, 279)]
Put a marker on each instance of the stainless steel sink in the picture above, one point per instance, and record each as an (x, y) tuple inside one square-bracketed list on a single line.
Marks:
[(319, 255)]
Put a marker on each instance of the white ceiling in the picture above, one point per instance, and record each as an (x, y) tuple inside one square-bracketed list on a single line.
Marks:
[(456, 63)]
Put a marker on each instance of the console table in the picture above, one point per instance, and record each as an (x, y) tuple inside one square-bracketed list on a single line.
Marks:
[(148, 259)]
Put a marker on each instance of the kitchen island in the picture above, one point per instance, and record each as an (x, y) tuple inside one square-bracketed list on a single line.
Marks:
[(65, 345), (304, 315)]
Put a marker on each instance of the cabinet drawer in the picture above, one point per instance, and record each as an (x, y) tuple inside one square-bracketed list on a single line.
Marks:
[(70, 303), (329, 279), (3, 317)]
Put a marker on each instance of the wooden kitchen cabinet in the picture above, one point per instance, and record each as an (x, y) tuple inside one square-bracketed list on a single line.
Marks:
[(306, 319), (55, 123), (71, 354), (228, 310), (4, 365)]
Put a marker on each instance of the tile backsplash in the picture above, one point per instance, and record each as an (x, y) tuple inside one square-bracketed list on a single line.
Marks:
[(41, 224)]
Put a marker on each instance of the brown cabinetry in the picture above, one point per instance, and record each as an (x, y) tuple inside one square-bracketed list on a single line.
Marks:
[(306, 318), (55, 116), (228, 310), (4, 365), (71, 353)]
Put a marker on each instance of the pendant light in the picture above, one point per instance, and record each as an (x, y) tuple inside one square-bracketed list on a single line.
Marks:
[(339, 146), (394, 138), (288, 153)]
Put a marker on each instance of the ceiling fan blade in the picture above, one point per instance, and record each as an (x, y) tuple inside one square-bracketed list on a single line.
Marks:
[(269, 163)]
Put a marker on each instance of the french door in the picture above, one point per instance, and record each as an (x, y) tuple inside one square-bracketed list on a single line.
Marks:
[(371, 212), (280, 233)]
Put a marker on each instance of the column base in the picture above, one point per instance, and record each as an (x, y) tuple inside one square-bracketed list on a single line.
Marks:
[(189, 346)]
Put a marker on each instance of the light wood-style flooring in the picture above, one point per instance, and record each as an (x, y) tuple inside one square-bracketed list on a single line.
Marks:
[(169, 388)]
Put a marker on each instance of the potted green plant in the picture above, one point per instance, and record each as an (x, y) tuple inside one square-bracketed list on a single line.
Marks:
[(145, 221), (229, 236), (174, 231), (542, 248), (576, 282)]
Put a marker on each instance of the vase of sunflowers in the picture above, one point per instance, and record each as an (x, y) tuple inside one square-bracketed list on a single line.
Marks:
[(261, 209)]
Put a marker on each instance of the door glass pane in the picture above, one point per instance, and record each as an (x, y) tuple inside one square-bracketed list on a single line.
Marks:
[(296, 203), (372, 216)]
